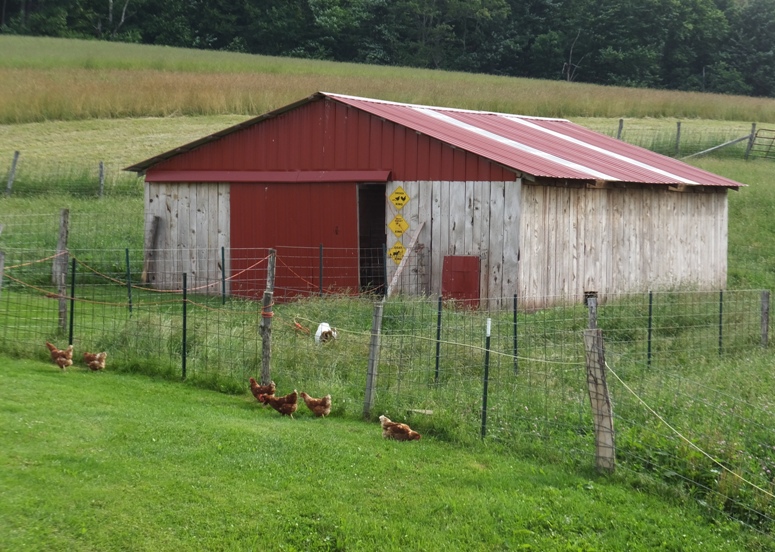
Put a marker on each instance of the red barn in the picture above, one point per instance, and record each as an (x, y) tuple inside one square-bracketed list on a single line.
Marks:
[(486, 205)]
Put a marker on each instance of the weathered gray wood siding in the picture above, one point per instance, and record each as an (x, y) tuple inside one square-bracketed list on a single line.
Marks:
[(461, 218), (618, 240), (194, 226)]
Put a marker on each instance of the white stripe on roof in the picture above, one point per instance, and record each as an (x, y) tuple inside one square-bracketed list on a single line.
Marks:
[(600, 150), (438, 108), (514, 144)]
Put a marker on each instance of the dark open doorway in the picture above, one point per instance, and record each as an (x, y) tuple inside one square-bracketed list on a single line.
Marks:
[(371, 239)]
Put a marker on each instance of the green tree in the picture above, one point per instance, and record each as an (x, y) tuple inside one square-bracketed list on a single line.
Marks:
[(751, 47), (696, 30)]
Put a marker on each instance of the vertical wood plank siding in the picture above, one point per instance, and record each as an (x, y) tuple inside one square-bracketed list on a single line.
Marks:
[(619, 240), (194, 222), (461, 218)]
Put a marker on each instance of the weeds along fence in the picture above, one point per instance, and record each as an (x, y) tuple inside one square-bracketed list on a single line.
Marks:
[(687, 373)]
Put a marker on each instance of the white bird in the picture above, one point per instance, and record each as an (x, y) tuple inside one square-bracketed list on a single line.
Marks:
[(325, 333)]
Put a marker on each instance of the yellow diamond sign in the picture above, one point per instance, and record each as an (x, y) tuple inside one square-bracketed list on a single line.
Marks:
[(398, 225), (397, 252), (399, 198)]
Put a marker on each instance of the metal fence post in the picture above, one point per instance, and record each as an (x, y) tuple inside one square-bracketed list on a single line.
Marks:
[(486, 377), (185, 315), (438, 339), (651, 327), (72, 302), (721, 322), (765, 317), (128, 281), (374, 344), (516, 341), (223, 275)]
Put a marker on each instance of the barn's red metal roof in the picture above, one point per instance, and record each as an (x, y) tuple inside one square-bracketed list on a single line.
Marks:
[(541, 147), (536, 146)]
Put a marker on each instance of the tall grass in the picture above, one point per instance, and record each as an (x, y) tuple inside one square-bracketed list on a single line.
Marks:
[(56, 79)]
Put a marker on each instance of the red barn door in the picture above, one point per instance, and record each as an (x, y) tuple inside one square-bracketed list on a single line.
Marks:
[(295, 219)]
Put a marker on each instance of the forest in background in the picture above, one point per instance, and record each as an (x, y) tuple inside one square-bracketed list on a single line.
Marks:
[(719, 46)]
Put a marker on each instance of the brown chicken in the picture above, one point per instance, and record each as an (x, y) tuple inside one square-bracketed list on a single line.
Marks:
[(63, 362), (61, 357), (95, 361), (259, 390), (397, 431), (319, 407), (284, 405)]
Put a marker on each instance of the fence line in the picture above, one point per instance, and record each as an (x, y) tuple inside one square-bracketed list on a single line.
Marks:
[(434, 362)]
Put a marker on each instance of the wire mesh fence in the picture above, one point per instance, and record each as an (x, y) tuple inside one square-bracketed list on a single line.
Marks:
[(685, 366)]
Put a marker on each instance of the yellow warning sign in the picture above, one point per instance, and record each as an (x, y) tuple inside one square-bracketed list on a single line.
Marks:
[(398, 225), (397, 252), (399, 198)]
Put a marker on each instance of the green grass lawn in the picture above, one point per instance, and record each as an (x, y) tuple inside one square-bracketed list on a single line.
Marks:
[(100, 461)]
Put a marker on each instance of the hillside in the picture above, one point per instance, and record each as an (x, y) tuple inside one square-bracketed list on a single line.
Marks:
[(45, 79)]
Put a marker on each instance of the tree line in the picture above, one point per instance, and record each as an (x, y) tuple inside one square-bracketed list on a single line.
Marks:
[(722, 46)]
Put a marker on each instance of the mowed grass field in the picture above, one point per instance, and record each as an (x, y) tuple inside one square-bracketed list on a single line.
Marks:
[(110, 462), (115, 461)]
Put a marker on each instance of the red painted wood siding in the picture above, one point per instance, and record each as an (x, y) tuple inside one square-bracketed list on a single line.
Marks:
[(328, 135), (295, 219)]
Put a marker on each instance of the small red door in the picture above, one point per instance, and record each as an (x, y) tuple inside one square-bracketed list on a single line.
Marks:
[(460, 279)]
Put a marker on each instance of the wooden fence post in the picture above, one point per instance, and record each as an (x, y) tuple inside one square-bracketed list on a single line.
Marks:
[(266, 321), (678, 138), (60, 262), (59, 269), (374, 344), (151, 251), (751, 139), (12, 173), (2, 270), (102, 178), (765, 317), (590, 299), (621, 127), (602, 413)]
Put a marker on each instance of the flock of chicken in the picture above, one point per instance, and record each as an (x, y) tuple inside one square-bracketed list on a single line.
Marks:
[(265, 394), (321, 407), (64, 357)]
